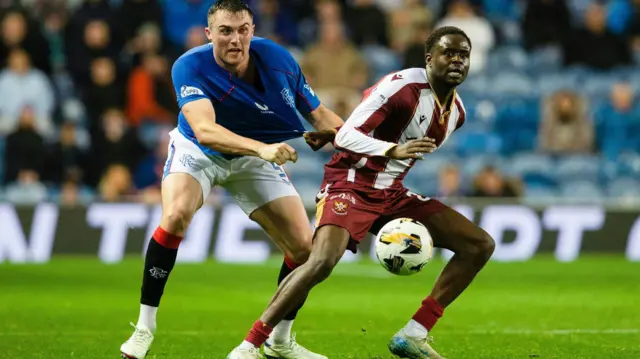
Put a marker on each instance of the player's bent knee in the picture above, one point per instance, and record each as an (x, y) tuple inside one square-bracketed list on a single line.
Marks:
[(176, 219), (481, 247), (300, 254), (322, 268)]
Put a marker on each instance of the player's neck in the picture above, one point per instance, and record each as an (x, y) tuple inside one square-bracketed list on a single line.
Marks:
[(240, 71), (442, 91)]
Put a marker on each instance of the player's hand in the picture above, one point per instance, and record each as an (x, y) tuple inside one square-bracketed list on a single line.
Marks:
[(317, 140), (278, 153), (413, 149)]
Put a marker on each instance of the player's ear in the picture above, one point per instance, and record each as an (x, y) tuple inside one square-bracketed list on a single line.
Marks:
[(428, 58), (207, 32)]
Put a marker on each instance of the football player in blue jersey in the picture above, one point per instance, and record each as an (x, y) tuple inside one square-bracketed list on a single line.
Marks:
[(240, 97)]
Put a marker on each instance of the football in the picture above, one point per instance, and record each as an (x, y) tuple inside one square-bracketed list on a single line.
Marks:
[(404, 246)]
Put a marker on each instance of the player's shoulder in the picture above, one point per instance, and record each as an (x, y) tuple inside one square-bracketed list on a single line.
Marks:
[(412, 78), (195, 57), (272, 52)]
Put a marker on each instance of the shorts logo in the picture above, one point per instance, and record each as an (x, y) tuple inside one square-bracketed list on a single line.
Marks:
[(186, 91), (188, 161), (286, 96), (340, 208)]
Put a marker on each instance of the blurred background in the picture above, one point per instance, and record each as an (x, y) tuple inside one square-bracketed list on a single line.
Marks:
[(87, 100)]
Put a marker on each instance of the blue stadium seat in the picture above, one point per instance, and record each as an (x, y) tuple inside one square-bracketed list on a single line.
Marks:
[(470, 143), (511, 58), (598, 84), (541, 193), (430, 166), (511, 84), (1, 159), (551, 82), (530, 163), (624, 188), (578, 167), (548, 59), (581, 189), (471, 165), (308, 191), (628, 164)]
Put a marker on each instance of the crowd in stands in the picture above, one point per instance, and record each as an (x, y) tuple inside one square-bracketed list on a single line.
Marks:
[(86, 99)]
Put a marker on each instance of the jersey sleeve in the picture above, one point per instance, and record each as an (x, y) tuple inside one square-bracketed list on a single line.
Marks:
[(356, 135), (306, 99), (187, 83)]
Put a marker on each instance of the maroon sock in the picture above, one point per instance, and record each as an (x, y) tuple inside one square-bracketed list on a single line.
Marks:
[(429, 313), (259, 333)]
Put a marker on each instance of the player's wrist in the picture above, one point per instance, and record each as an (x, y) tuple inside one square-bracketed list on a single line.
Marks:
[(390, 150)]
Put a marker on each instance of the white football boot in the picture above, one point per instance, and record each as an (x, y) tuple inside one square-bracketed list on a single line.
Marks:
[(138, 344), (405, 346), (238, 353), (289, 350)]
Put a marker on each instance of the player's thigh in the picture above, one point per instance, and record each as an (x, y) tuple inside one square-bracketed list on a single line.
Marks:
[(187, 180), (265, 193), (346, 209), (286, 222), (449, 229), (329, 244)]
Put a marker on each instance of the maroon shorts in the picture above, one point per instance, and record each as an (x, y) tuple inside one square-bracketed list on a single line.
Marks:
[(361, 209)]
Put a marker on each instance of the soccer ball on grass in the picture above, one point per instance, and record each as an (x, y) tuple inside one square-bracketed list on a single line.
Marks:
[(404, 246)]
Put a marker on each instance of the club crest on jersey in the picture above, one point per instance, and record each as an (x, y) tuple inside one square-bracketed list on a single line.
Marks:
[(286, 96), (186, 91), (340, 208), (188, 161)]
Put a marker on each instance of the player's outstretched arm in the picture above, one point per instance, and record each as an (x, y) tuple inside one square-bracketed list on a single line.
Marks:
[(201, 117), (327, 124)]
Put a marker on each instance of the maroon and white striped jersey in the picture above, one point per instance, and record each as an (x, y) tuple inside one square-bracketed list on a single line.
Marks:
[(399, 108)]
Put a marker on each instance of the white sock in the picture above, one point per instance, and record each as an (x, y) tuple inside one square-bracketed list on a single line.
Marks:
[(148, 316), (282, 332), (246, 345), (415, 329)]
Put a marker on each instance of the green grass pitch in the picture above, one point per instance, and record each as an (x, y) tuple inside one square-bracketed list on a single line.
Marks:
[(79, 308)]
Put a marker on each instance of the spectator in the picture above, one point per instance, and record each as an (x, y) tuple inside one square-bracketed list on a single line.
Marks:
[(17, 34), (54, 23), (405, 21), (148, 173), (135, 13), (24, 148), (179, 19), (195, 37), (277, 23), (618, 122), (151, 95), (414, 54), (565, 126), (104, 92), (96, 43), (327, 11), (27, 190), (115, 144), (490, 183), (546, 22), (116, 184), (461, 13), (368, 23), (22, 86), (65, 159), (579, 48), (334, 66), (449, 185)]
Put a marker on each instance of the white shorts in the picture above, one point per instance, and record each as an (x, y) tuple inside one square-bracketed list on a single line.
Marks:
[(251, 181)]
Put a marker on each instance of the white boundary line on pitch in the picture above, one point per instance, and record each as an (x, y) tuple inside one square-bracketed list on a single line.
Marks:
[(312, 332)]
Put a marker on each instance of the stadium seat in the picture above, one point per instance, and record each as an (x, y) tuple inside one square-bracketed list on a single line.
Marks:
[(530, 163), (544, 60), (471, 165), (511, 58), (578, 167), (624, 188), (512, 84), (581, 189), (469, 143)]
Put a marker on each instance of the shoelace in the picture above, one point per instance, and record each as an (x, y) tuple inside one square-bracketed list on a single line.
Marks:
[(140, 337)]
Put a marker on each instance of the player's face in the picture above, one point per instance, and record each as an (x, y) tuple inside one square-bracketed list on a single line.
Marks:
[(449, 59), (231, 35)]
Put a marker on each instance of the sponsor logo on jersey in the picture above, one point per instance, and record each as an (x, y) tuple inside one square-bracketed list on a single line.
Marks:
[(306, 86), (345, 196), (186, 91), (288, 99), (397, 77), (263, 108)]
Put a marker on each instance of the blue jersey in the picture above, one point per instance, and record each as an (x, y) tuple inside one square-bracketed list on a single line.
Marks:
[(270, 115)]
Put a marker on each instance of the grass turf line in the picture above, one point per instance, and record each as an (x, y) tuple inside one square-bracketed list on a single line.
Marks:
[(79, 308)]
